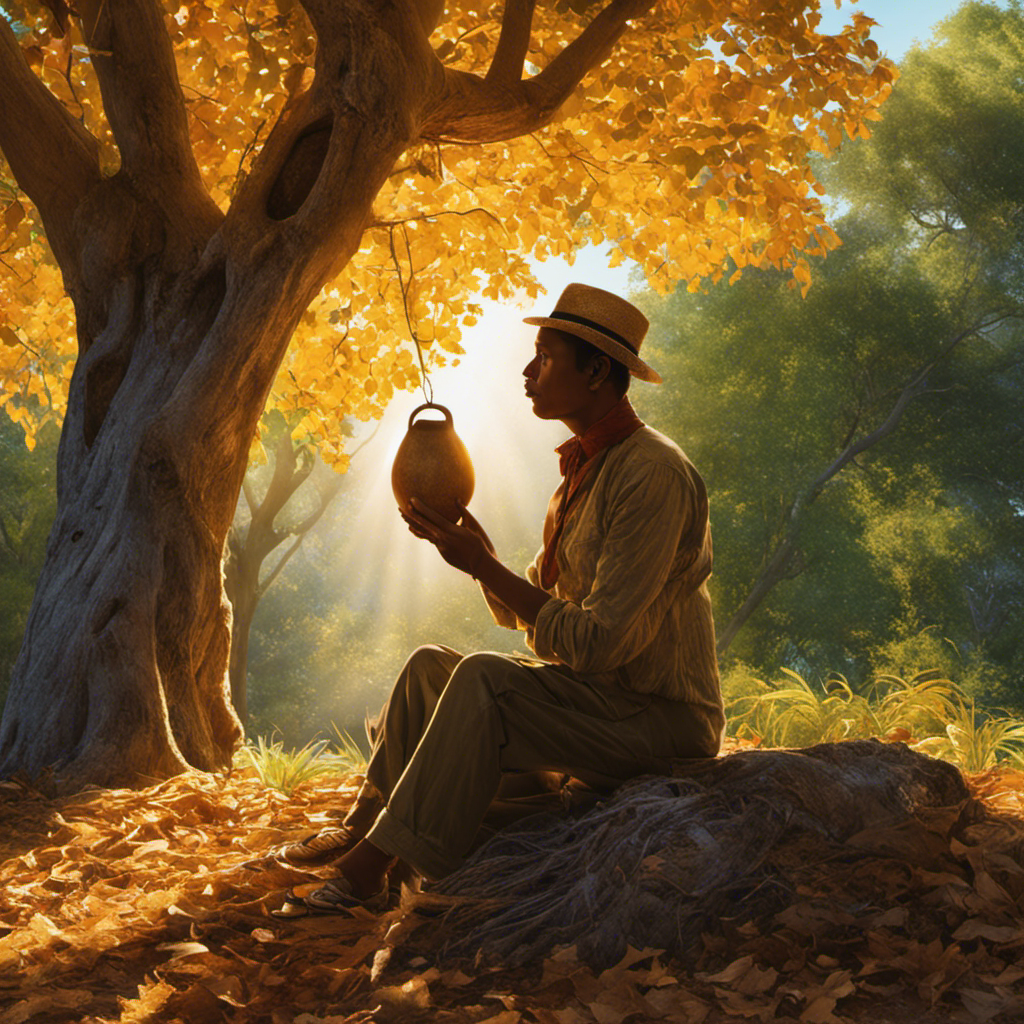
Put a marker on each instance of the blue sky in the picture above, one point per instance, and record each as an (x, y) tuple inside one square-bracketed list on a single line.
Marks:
[(901, 23)]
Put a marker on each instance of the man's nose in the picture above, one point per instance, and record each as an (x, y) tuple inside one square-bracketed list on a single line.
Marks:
[(529, 370)]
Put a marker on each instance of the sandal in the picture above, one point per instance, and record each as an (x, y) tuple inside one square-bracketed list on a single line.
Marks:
[(335, 896), (319, 847)]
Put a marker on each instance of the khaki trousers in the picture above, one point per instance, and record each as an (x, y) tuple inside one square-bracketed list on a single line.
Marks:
[(453, 725)]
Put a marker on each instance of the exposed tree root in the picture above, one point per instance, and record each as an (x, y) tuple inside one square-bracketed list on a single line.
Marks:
[(666, 860)]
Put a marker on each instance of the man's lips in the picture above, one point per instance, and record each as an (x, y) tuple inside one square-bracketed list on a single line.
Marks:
[(530, 393)]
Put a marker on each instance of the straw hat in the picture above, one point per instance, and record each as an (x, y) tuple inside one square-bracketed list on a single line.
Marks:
[(614, 325)]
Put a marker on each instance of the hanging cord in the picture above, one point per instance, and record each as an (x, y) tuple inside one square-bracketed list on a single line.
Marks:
[(425, 383)]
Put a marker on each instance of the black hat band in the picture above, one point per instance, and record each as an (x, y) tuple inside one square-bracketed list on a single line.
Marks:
[(595, 326)]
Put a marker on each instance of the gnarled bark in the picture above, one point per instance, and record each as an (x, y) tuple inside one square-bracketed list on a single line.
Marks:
[(184, 315)]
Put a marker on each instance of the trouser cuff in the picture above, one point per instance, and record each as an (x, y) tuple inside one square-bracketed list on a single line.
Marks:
[(393, 837)]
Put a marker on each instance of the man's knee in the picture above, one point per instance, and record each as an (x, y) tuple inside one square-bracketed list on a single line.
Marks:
[(483, 676), (428, 669)]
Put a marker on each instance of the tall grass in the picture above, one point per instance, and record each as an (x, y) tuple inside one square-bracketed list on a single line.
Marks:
[(933, 715), (976, 740), (286, 770)]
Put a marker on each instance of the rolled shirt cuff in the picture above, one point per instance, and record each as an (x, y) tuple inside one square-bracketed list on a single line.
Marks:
[(393, 837), (543, 633)]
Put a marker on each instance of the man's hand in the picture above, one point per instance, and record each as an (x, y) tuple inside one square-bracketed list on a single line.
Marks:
[(471, 524), (466, 547)]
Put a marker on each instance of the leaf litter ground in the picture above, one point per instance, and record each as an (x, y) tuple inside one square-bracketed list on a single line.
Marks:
[(132, 906)]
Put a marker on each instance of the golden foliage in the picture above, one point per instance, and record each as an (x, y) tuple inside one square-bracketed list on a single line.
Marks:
[(686, 151)]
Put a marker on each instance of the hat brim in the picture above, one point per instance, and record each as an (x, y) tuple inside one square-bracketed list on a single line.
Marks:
[(636, 366)]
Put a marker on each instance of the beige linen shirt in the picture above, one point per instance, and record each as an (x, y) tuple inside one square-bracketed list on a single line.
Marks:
[(630, 606)]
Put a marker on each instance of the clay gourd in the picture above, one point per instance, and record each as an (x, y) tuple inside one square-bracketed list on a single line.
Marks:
[(433, 465)]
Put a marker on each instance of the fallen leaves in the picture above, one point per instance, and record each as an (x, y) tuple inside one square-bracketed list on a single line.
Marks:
[(133, 907)]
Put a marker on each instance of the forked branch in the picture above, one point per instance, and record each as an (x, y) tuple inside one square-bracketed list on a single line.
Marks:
[(53, 158), (421, 16), (502, 105), (142, 97)]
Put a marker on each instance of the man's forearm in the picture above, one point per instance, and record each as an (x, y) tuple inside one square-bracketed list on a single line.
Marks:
[(517, 594)]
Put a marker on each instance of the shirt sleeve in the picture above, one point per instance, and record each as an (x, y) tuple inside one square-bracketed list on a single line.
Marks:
[(632, 587), (500, 612)]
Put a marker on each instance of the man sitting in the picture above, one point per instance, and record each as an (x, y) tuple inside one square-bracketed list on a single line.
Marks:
[(615, 607)]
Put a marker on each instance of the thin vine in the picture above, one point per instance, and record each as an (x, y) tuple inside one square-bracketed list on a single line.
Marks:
[(425, 382)]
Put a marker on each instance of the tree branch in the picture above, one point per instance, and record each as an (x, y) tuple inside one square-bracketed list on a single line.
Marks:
[(785, 551), (134, 61), (500, 105), (326, 495), (322, 14), (263, 587), (915, 386), (250, 496), (7, 540), (53, 158), (513, 43), (300, 532)]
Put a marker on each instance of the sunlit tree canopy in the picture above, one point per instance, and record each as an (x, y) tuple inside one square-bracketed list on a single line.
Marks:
[(687, 151)]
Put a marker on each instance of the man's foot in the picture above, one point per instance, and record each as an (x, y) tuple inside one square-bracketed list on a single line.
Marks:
[(335, 896), (320, 847)]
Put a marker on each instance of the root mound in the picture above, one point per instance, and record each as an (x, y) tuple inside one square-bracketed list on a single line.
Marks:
[(667, 860)]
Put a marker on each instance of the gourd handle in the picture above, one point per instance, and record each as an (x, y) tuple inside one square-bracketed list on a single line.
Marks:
[(430, 405)]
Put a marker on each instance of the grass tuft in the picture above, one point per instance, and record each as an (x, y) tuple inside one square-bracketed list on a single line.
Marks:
[(286, 770)]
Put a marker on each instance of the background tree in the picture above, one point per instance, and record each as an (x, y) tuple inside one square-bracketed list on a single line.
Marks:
[(284, 512), (864, 444), (188, 287)]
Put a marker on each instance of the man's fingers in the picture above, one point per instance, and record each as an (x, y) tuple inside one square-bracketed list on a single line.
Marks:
[(437, 532), (420, 527), (470, 522), (427, 513)]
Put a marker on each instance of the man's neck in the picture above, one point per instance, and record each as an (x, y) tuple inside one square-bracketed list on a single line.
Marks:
[(581, 421)]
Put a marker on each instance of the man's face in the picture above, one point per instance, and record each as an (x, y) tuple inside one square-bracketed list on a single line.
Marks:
[(558, 390)]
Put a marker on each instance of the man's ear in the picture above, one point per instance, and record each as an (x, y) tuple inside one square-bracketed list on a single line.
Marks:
[(599, 370)]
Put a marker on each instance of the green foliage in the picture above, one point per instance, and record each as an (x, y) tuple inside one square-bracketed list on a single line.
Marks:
[(348, 749), (28, 503), (285, 770), (924, 528), (931, 713), (975, 740), (797, 714)]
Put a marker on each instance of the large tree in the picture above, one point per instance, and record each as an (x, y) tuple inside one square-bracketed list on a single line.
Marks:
[(402, 131)]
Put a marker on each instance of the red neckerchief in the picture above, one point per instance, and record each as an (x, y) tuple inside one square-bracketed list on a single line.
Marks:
[(578, 457)]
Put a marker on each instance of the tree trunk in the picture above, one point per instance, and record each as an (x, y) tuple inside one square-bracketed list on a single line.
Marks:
[(122, 671), (182, 325), (248, 550)]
